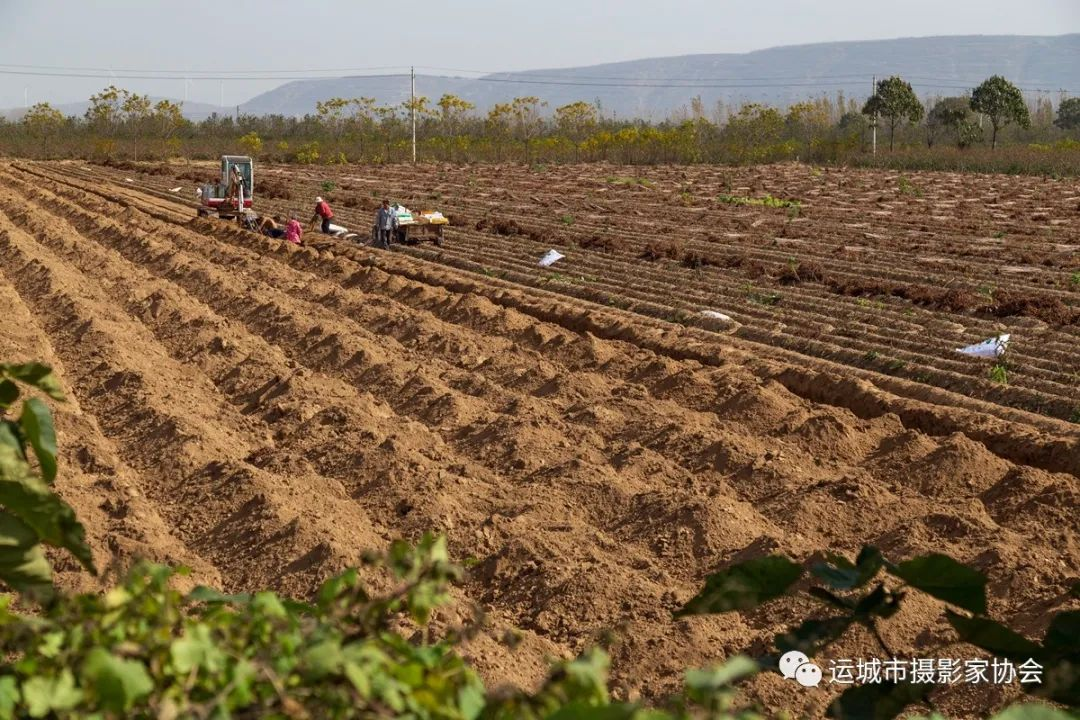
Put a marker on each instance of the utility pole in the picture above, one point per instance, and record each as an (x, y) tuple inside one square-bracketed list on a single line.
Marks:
[(221, 99), (412, 108), (26, 96), (874, 123)]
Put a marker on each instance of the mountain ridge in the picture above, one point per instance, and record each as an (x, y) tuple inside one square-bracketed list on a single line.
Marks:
[(655, 88)]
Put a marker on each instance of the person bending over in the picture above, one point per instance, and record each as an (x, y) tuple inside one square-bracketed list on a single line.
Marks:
[(294, 231), (271, 227), (323, 213)]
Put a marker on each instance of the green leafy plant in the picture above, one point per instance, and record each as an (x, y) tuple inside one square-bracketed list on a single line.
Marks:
[(328, 186), (909, 188), (999, 374), (1074, 280), (31, 514), (566, 219), (870, 590), (761, 297), (767, 201)]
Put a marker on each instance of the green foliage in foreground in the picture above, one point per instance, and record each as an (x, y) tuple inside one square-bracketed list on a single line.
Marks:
[(871, 590), (145, 650), (31, 514)]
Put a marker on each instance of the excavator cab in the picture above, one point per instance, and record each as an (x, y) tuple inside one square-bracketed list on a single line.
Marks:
[(215, 197)]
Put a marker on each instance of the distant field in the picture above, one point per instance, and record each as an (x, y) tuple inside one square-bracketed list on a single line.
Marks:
[(884, 271)]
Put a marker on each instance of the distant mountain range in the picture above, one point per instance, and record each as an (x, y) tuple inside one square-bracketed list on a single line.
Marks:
[(780, 76), (658, 87)]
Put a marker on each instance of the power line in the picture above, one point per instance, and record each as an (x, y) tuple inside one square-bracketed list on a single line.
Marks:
[(222, 78), (192, 73), (671, 84)]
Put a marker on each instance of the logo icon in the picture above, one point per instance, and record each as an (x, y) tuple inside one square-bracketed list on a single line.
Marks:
[(794, 665)]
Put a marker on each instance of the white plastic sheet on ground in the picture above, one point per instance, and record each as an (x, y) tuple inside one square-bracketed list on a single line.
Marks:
[(550, 258), (175, 189), (716, 315), (337, 230), (990, 348)]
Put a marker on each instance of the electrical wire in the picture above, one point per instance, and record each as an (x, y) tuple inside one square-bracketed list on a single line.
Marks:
[(522, 79)]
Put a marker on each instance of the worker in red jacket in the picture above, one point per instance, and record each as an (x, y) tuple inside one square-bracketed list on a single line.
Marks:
[(322, 211)]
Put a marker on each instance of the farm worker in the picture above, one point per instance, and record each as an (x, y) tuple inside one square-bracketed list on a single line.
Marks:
[(323, 211), (270, 227), (236, 181), (386, 223), (294, 230)]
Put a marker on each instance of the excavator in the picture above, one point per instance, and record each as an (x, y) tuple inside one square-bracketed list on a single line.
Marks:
[(214, 197)]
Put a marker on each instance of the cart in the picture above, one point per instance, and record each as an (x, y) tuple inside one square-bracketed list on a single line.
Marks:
[(416, 232), (414, 229)]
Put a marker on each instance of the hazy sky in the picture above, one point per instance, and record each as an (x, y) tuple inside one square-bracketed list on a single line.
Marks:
[(485, 35)]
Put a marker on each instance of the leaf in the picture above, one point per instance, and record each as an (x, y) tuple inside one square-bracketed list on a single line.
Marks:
[(1032, 711), (209, 595), (744, 586), (812, 635), (877, 701), (826, 596), (471, 700), (946, 579), (27, 497), (117, 683), (991, 636), (323, 658), (35, 375), (721, 676), (9, 393), (1063, 635), (269, 604), (9, 697), (838, 573), (42, 694), (1075, 589), (195, 649), (38, 428), (879, 602), (23, 565)]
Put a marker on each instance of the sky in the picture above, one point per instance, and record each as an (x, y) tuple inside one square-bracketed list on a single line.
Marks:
[(277, 40)]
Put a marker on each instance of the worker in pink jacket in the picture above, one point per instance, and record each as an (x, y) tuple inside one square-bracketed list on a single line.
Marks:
[(294, 231)]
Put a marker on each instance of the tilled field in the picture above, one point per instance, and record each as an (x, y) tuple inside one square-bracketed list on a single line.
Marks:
[(876, 270), (265, 413)]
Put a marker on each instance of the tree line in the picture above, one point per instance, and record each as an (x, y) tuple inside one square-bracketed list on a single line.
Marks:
[(119, 123)]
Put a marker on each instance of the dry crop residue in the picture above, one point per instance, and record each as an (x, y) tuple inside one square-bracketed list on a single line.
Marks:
[(265, 413)]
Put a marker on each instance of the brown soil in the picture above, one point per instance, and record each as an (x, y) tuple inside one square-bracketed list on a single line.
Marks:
[(265, 413)]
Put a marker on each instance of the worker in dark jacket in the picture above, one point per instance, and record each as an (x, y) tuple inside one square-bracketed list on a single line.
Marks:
[(323, 212), (386, 223)]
